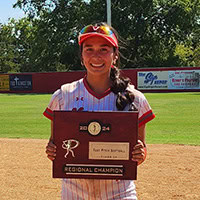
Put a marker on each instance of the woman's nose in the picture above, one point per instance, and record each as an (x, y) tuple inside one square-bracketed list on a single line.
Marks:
[(96, 54)]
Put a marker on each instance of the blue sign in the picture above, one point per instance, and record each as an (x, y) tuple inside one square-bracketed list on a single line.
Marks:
[(150, 78)]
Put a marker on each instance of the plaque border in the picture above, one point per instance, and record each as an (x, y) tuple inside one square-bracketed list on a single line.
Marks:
[(64, 129)]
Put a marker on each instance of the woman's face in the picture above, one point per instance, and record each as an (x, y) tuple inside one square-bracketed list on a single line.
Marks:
[(98, 55)]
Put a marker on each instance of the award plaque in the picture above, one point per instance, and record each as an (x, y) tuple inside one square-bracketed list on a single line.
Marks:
[(95, 145)]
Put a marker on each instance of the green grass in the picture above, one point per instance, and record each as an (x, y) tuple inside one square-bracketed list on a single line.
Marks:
[(177, 117), (21, 116)]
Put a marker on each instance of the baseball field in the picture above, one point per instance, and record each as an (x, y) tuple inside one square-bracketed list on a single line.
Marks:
[(171, 170)]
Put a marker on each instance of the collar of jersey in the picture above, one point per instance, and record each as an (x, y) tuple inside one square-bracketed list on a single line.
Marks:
[(98, 96)]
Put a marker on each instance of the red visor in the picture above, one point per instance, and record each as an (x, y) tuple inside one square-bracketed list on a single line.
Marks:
[(101, 31)]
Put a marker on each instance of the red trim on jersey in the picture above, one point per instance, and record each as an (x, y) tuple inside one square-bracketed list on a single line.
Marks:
[(98, 96), (48, 113), (146, 117)]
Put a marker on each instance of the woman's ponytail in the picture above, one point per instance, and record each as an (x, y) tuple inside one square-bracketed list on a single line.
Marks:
[(119, 87)]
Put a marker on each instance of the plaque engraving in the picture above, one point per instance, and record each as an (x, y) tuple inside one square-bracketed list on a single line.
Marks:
[(109, 150), (104, 170), (69, 145), (94, 128)]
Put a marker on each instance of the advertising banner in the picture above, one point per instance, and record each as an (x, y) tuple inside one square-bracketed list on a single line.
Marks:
[(187, 79), (169, 80), (20, 82), (152, 80), (4, 83)]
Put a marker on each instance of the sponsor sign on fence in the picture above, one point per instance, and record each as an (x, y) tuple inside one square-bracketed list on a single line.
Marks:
[(152, 80), (20, 82), (4, 83), (169, 80), (184, 79)]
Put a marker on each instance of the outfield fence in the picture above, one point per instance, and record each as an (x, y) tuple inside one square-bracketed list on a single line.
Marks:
[(173, 79)]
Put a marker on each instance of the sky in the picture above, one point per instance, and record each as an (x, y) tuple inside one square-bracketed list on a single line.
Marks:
[(7, 11)]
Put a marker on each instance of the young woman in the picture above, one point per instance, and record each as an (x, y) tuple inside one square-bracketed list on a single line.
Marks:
[(102, 89)]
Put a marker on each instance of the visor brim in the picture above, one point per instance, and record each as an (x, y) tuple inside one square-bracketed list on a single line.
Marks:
[(111, 40)]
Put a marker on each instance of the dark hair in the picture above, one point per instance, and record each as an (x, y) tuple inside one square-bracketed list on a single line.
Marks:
[(119, 83), (119, 87)]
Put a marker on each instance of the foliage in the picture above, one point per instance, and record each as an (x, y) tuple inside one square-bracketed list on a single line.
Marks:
[(7, 49), (154, 28), (197, 56), (20, 45), (185, 54), (154, 33)]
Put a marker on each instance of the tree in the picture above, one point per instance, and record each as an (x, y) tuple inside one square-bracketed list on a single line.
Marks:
[(57, 30), (7, 48), (153, 30), (21, 47)]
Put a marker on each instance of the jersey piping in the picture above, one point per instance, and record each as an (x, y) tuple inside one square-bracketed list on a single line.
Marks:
[(93, 93)]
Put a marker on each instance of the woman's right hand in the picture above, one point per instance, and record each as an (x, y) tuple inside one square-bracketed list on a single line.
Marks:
[(51, 150)]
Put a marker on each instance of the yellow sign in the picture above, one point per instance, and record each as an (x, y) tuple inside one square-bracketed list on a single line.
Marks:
[(4, 83)]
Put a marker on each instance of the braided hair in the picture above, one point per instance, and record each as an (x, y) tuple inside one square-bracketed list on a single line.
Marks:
[(119, 87)]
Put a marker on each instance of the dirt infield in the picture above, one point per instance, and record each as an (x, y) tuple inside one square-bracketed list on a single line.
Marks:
[(170, 172)]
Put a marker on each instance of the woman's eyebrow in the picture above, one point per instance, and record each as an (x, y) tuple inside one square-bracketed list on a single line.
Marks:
[(104, 45), (90, 45), (87, 45)]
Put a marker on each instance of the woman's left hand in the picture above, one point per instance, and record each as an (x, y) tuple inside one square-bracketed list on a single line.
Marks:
[(139, 152)]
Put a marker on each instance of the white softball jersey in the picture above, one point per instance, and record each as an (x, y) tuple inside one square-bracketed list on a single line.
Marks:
[(78, 96)]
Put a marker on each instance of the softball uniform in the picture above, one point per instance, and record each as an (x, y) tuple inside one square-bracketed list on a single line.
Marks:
[(78, 96)]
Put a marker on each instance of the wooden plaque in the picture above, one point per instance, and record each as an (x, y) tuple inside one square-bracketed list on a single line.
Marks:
[(95, 145)]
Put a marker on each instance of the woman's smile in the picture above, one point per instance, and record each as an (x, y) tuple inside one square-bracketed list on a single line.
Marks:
[(97, 65)]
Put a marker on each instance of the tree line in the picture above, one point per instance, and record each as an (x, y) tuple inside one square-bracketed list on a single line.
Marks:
[(153, 33)]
